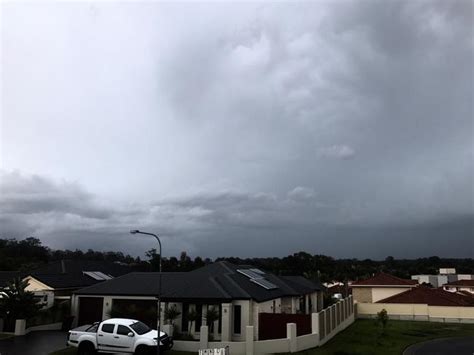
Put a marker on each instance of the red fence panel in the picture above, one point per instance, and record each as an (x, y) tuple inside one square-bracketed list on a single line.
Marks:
[(273, 325)]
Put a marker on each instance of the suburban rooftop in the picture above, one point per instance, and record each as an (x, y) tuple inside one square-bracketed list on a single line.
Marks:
[(383, 279), (220, 280)]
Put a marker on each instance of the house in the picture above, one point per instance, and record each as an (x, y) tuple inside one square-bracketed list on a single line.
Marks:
[(431, 297), (460, 286), (380, 286), (58, 280), (338, 291), (445, 275), (240, 294)]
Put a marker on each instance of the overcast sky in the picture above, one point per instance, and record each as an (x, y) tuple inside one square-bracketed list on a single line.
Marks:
[(252, 129)]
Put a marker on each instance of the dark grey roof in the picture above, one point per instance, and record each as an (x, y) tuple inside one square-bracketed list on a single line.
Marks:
[(78, 266), (217, 281), (302, 284), (7, 276), (69, 274), (69, 280)]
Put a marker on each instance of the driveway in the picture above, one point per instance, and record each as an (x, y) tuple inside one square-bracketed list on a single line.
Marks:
[(446, 346), (35, 343)]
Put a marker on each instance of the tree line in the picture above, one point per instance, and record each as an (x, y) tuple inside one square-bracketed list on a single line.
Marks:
[(29, 253)]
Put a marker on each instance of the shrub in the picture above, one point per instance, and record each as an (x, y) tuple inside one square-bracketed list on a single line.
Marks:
[(171, 314), (382, 318)]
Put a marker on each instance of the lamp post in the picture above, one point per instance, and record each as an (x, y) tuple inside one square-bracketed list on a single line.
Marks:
[(136, 231)]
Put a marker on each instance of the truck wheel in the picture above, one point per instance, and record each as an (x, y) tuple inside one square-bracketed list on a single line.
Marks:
[(86, 348), (143, 350)]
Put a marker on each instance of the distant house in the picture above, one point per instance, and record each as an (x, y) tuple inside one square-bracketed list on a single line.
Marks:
[(431, 297), (445, 276), (339, 291), (239, 294), (58, 280), (380, 286), (7, 276), (460, 286)]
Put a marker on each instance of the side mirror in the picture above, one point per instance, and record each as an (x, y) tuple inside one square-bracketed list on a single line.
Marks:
[(131, 335)]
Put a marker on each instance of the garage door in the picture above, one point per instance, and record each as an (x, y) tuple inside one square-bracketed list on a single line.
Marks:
[(90, 310)]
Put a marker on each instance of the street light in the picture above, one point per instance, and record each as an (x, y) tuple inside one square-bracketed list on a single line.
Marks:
[(136, 231)]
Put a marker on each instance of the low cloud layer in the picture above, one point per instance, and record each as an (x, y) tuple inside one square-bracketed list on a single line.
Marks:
[(227, 223), (342, 128)]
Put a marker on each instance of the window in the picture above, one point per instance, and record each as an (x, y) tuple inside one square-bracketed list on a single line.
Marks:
[(108, 328), (237, 319), (93, 328), (184, 326), (219, 324), (140, 328), (199, 320), (123, 330)]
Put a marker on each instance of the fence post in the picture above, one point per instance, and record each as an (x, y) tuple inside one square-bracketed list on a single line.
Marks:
[(315, 323), (203, 337), (226, 322), (249, 345), (291, 335), (20, 327)]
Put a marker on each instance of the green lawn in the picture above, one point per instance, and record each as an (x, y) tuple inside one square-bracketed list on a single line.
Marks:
[(73, 351), (365, 337)]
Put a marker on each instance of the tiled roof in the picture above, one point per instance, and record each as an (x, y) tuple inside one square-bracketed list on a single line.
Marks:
[(69, 280), (466, 293), (468, 283), (383, 279), (431, 297), (217, 281), (69, 274)]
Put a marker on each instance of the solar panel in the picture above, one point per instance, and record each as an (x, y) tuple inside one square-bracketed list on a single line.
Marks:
[(104, 276), (264, 283), (250, 274), (93, 275), (257, 271), (97, 275), (256, 276)]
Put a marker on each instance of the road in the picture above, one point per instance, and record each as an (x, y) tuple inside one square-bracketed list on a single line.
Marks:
[(446, 346), (35, 343)]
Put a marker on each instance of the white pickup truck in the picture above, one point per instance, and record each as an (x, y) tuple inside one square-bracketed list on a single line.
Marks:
[(117, 335)]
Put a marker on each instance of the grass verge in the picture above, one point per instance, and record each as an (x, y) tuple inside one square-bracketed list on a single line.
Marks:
[(365, 337)]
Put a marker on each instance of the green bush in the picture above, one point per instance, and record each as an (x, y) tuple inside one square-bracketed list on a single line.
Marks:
[(55, 314)]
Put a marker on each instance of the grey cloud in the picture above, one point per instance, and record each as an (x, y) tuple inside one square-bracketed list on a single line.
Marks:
[(301, 193), (212, 123), (337, 152), (22, 194)]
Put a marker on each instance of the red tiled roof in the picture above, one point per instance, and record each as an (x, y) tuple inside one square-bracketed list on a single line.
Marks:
[(383, 279), (431, 297), (466, 293), (468, 283)]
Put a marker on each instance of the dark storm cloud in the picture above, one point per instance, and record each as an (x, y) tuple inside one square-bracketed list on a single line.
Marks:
[(343, 128), (35, 194)]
